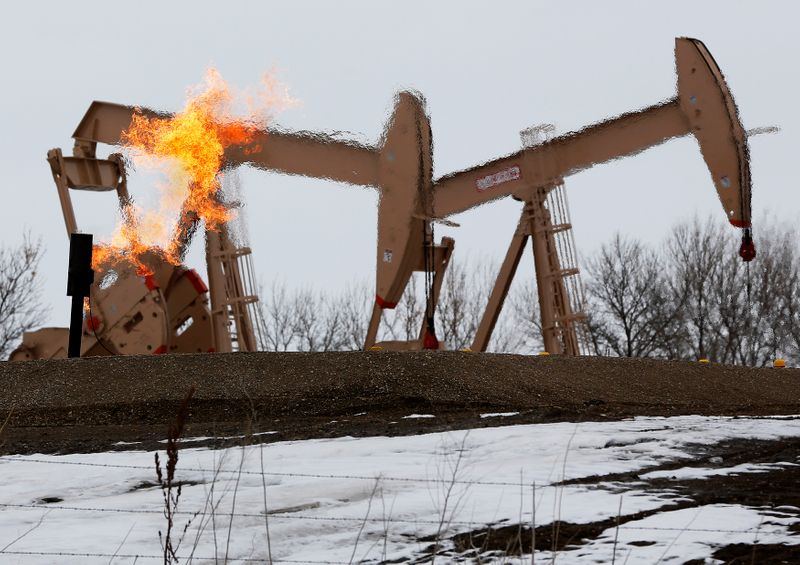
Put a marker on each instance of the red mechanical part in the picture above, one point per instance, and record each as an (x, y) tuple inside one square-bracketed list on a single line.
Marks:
[(383, 304), (160, 350), (150, 282), (196, 281), (430, 341), (747, 251), (93, 324)]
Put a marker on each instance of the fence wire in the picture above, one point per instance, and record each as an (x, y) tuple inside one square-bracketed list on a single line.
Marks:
[(281, 474), (294, 516), (348, 519), (160, 557)]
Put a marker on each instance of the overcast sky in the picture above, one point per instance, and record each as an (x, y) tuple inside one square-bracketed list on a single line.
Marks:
[(487, 70)]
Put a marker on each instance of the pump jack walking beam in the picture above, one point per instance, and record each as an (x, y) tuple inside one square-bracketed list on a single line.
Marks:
[(401, 168), (703, 107)]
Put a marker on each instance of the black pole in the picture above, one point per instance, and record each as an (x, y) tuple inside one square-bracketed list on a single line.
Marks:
[(80, 277), (75, 327)]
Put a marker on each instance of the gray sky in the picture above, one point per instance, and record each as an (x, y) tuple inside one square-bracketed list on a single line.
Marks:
[(487, 69)]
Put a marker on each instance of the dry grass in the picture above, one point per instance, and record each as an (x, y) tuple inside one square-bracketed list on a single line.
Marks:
[(170, 490)]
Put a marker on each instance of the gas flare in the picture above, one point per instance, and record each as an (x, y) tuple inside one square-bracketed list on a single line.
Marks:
[(190, 145)]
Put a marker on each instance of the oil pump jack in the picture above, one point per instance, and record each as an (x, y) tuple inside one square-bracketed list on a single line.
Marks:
[(411, 201), (165, 310), (703, 107)]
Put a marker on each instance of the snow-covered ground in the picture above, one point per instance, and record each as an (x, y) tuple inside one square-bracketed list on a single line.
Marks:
[(371, 499)]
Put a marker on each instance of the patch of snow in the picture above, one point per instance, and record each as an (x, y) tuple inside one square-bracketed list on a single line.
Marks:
[(210, 438), (327, 499), (499, 414), (413, 416), (704, 472)]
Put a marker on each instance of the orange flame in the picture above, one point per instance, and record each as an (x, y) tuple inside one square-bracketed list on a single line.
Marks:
[(127, 246), (193, 141)]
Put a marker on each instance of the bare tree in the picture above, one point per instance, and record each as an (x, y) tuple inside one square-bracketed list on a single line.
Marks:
[(21, 308), (790, 303), (698, 299), (405, 321), (356, 304), (519, 329), (755, 300), (317, 321), (305, 320), (276, 319), (695, 254), (464, 295), (733, 312), (727, 304), (688, 299), (630, 299)]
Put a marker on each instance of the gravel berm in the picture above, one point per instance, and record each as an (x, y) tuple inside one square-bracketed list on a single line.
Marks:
[(91, 404)]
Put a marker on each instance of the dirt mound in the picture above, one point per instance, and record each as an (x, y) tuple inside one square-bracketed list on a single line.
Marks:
[(89, 404)]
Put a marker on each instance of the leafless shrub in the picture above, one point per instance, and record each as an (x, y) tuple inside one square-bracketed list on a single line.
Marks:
[(696, 258), (404, 322), (317, 321), (687, 299), (630, 299), (169, 489), (519, 329), (276, 318), (26, 532), (21, 308), (309, 320), (449, 476), (356, 307), (462, 299), (366, 517), (695, 298)]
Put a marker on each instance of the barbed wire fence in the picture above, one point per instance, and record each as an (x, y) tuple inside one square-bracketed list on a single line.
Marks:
[(350, 519), (292, 515)]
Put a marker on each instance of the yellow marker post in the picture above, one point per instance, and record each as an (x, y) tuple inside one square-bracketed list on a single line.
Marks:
[(779, 363)]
